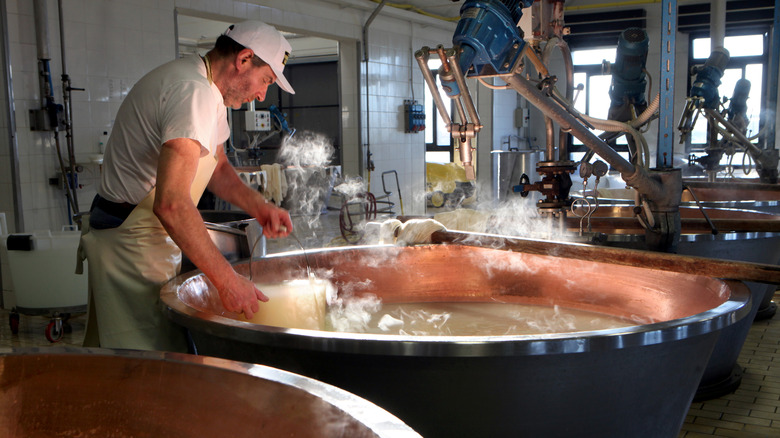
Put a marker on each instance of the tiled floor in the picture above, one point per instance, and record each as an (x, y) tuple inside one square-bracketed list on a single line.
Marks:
[(32, 331), (752, 411)]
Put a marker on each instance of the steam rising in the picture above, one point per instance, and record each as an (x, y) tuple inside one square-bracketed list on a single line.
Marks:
[(351, 188), (306, 149), (306, 157)]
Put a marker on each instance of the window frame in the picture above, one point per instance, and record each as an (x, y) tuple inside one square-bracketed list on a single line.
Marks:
[(734, 63), (430, 105), (593, 70)]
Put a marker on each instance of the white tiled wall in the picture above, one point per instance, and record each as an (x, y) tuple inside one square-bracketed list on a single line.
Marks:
[(110, 44)]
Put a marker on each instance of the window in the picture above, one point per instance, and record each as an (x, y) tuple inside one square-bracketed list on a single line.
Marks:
[(438, 141), (594, 99), (748, 56)]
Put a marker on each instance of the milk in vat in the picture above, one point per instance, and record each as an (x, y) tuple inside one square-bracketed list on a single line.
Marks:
[(297, 303)]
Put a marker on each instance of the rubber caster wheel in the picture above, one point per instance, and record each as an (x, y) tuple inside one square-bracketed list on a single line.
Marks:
[(13, 321), (54, 331)]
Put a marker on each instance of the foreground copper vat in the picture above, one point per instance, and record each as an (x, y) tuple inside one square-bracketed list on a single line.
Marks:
[(635, 381), (109, 393)]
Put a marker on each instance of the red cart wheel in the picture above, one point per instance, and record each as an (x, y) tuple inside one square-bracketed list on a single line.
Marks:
[(13, 321), (54, 331)]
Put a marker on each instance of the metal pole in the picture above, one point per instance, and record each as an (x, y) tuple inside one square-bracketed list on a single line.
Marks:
[(13, 146), (68, 117), (774, 67), (422, 60), (717, 23), (365, 28), (665, 152), (464, 90)]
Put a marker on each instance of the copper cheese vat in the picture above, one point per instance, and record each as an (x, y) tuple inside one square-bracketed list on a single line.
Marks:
[(74, 392), (634, 381)]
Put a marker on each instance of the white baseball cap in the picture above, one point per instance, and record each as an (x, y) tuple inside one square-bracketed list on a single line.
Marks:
[(267, 43)]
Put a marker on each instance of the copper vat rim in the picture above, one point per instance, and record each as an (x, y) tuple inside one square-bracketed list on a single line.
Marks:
[(732, 310), (370, 415)]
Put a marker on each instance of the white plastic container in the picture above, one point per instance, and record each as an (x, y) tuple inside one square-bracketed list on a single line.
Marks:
[(44, 277)]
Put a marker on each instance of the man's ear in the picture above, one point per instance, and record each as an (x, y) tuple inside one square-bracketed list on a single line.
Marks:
[(244, 59)]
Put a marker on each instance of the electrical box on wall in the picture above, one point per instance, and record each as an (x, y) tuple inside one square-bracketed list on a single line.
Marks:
[(521, 117), (258, 120), (414, 115)]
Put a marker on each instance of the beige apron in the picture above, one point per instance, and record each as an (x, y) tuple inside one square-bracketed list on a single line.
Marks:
[(127, 267)]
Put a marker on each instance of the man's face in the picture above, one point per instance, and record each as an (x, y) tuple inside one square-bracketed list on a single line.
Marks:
[(248, 84)]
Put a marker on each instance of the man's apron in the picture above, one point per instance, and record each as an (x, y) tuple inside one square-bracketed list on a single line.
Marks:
[(127, 267)]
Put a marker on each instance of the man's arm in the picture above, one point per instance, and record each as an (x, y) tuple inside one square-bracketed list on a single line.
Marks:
[(226, 184), (180, 217)]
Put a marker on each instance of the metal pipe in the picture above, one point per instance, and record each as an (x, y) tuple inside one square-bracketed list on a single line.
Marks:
[(62, 36), (549, 132), (461, 81), (68, 113), (772, 82), (368, 106), (538, 64), (13, 145), (567, 121), (41, 16), (747, 144), (365, 28), (461, 111), (422, 56), (563, 140), (701, 209), (717, 23)]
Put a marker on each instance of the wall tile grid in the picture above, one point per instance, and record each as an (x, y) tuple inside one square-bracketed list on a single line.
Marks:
[(110, 44)]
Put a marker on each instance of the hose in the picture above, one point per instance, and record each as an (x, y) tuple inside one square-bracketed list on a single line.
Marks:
[(646, 115), (613, 125)]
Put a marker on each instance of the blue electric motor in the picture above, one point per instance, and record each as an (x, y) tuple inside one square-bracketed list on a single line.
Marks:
[(488, 36), (708, 78), (629, 80), (738, 102)]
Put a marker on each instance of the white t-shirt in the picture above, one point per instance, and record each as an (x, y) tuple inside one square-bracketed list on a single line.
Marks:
[(172, 101)]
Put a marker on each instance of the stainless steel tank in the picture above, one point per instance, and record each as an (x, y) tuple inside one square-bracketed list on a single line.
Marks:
[(636, 381), (236, 234), (723, 374), (98, 393)]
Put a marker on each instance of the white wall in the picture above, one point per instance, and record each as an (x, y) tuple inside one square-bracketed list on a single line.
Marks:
[(110, 44)]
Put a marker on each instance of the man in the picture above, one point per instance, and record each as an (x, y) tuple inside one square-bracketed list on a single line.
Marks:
[(165, 148)]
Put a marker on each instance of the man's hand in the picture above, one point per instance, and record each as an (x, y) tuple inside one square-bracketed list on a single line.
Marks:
[(274, 220), (241, 295)]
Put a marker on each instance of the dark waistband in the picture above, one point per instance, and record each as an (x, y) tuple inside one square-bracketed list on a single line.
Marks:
[(118, 209)]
